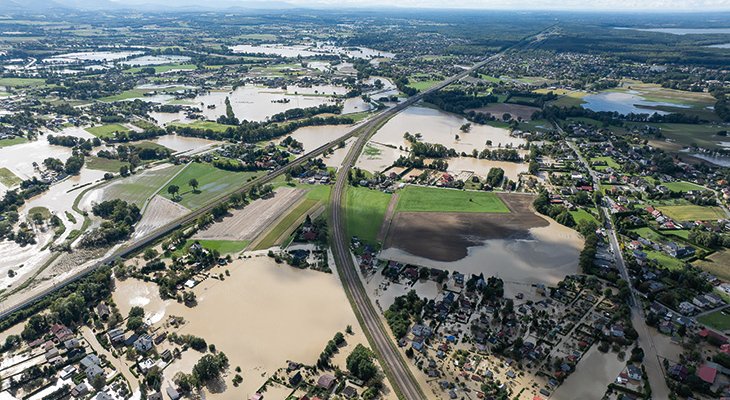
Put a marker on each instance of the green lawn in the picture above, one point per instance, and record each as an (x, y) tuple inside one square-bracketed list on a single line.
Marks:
[(272, 236), (583, 215), (21, 82), (137, 188), (610, 162), (213, 183), (719, 320), (8, 178), (693, 212), (13, 141), (422, 85), (106, 131), (664, 260), (223, 246), (104, 164), (213, 126), (682, 186), (40, 210), (365, 212), (718, 264), (416, 198)]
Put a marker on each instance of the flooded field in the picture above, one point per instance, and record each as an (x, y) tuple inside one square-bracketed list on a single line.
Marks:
[(378, 157), (313, 137), (312, 50), (156, 60), (101, 56), (178, 143), (481, 167), (518, 246), (254, 103), (257, 327), (20, 158), (625, 103), (437, 126)]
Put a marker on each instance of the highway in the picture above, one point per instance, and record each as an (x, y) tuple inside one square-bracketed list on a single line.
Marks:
[(653, 365)]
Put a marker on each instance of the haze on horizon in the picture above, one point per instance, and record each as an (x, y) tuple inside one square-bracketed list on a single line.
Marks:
[(553, 5)]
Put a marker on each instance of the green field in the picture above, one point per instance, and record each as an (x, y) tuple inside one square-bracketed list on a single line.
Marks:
[(21, 82), (13, 141), (682, 186), (719, 320), (213, 183), (416, 198), (104, 164), (137, 188), (610, 162), (40, 210), (272, 236), (8, 178), (702, 135), (106, 131), (222, 246), (664, 260), (693, 212), (365, 212), (213, 126)]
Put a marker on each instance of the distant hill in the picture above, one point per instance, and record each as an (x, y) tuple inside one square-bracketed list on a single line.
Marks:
[(35, 6)]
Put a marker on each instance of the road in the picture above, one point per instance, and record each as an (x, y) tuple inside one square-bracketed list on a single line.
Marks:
[(658, 382)]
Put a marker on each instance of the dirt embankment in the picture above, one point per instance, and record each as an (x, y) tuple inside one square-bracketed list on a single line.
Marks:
[(447, 236)]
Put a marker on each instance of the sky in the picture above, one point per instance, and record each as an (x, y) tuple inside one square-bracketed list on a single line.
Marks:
[(593, 5)]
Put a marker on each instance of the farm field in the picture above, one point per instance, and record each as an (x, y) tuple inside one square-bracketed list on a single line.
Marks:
[(692, 212), (717, 264), (427, 199), (141, 186), (222, 246), (703, 135), (250, 221), (8, 178), (213, 183), (365, 212), (106, 131), (159, 211), (719, 320), (291, 220), (21, 82), (104, 164), (213, 126)]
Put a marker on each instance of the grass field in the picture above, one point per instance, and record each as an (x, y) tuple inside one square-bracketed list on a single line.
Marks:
[(365, 212), (13, 141), (8, 178), (717, 264), (104, 164), (21, 82), (702, 135), (40, 210), (664, 260), (272, 236), (416, 198), (583, 215), (693, 212), (567, 98), (140, 186), (682, 186), (610, 162), (106, 131), (719, 320), (213, 126), (213, 182), (222, 246)]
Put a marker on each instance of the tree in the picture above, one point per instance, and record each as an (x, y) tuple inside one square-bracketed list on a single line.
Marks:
[(360, 363), (124, 170), (210, 367), (194, 184), (173, 190)]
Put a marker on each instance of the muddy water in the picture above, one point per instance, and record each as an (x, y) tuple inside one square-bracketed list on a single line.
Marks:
[(314, 136), (255, 103), (20, 157), (166, 118), (135, 293), (355, 105), (378, 162), (248, 317), (546, 257), (482, 167), (178, 143), (591, 378), (437, 126)]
